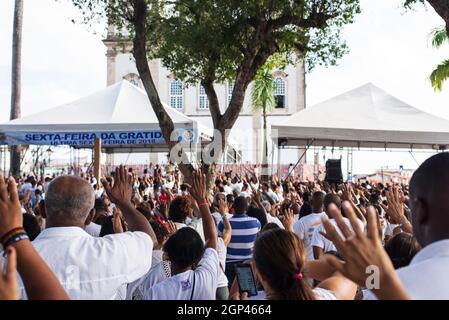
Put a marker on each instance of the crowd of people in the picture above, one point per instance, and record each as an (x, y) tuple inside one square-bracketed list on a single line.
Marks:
[(155, 237)]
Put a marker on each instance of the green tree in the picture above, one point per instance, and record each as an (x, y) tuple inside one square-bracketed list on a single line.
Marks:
[(440, 74), (211, 41), (263, 98)]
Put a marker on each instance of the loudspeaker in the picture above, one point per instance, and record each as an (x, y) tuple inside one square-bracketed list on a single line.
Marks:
[(333, 171)]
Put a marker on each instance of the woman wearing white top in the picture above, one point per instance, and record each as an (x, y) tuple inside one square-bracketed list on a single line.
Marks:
[(195, 268)]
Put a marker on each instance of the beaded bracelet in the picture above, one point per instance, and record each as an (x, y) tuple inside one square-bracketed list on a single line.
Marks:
[(15, 237), (11, 233)]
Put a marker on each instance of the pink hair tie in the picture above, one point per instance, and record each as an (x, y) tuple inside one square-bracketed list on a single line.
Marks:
[(297, 276)]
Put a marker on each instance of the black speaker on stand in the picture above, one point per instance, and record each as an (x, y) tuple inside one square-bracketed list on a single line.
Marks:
[(333, 171)]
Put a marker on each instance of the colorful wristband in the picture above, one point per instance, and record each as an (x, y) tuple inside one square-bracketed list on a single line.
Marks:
[(10, 233), (14, 239)]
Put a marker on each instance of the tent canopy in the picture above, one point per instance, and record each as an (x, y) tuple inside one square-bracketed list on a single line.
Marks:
[(365, 117), (121, 115)]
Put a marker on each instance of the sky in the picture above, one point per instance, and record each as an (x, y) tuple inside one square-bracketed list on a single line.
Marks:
[(389, 47)]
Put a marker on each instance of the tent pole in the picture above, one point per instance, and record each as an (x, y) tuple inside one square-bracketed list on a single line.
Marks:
[(300, 158), (97, 159), (279, 162)]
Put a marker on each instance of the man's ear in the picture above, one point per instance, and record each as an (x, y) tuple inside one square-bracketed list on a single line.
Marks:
[(421, 212), (90, 217)]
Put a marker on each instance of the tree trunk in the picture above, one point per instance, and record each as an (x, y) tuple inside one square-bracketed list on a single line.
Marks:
[(140, 54), (264, 173), (16, 81), (442, 9)]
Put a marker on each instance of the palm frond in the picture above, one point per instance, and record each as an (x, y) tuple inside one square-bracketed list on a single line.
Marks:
[(438, 37), (440, 75), (263, 91)]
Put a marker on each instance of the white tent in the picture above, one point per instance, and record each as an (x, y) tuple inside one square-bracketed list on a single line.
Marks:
[(364, 117), (121, 115)]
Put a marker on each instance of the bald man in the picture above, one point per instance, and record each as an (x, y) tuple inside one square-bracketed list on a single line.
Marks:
[(90, 267)]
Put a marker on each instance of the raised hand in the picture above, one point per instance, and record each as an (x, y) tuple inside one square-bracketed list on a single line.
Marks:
[(222, 207), (117, 220), (395, 208), (347, 192), (198, 187), (288, 219), (171, 227), (121, 191), (364, 255), (11, 216)]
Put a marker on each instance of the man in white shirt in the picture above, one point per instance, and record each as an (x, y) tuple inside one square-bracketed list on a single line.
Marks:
[(320, 244), (89, 267), (306, 226)]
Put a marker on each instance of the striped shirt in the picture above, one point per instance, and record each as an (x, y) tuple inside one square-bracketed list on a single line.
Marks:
[(244, 233)]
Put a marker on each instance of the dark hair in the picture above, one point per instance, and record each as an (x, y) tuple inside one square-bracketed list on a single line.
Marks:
[(332, 198), (269, 226), (180, 209), (159, 230), (229, 198), (318, 198), (31, 226), (401, 249), (184, 248), (279, 255), (259, 214), (305, 210), (99, 205), (107, 226), (240, 205), (145, 209)]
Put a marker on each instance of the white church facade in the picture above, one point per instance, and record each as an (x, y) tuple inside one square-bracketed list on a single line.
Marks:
[(192, 100)]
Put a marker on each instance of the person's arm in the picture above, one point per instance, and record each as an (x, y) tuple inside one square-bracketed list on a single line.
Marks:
[(39, 281), (198, 192), (361, 252), (227, 230), (120, 194), (341, 287)]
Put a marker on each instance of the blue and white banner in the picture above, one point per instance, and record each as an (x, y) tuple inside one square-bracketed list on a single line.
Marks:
[(86, 139)]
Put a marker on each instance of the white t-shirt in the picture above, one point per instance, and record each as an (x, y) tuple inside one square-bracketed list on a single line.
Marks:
[(157, 258), (318, 240), (93, 229), (271, 219), (159, 273), (202, 282), (221, 250), (305, 228), (91, 268)]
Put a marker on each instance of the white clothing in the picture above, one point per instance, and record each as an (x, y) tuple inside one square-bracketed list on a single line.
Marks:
[(275, 220), (426, 276), (318, 240), (94, 268), (202, 282), (93, 229), (305, 228)]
